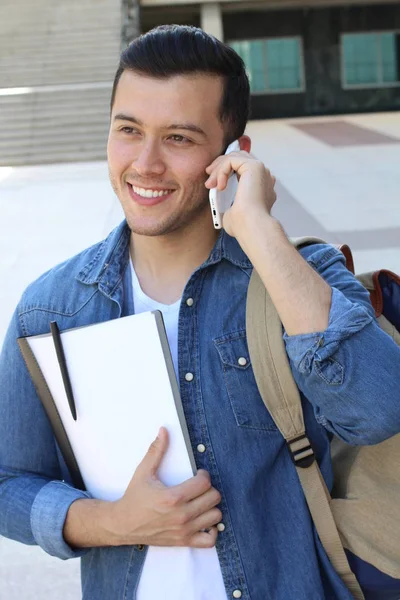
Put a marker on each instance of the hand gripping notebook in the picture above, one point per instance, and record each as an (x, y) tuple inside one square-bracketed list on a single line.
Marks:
[(107, 388)]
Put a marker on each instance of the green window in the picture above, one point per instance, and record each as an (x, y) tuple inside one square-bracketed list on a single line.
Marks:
[(371, 59), (273, 65)]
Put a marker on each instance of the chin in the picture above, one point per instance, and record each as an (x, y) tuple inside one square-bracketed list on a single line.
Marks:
[(167, 221), (152, 227)]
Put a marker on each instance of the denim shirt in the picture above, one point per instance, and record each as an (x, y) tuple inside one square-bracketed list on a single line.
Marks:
[(269, 549)]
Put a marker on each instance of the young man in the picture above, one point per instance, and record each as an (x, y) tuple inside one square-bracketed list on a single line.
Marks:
[(180, 97)]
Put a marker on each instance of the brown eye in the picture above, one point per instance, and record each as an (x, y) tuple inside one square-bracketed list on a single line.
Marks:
[(180, 139)]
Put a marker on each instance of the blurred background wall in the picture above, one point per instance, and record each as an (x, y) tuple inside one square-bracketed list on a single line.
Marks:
[(304, 58)]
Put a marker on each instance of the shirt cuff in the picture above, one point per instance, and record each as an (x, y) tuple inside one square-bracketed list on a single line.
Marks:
[(48, 514), (345, 319)]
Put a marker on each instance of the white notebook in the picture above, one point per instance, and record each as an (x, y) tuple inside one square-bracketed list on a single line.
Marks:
[(125, 389)]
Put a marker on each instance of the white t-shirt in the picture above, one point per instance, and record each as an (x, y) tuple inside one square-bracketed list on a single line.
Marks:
[(173, 573)]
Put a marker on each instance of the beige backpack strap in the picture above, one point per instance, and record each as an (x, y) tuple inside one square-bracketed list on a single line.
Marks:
[(389, 329), (282, 399)]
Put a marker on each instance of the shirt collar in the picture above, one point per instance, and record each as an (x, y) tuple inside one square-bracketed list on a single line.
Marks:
[(107, 267), (228, 248), (109, 263)]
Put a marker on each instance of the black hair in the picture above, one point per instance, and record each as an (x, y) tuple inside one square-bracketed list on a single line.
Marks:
[(169, 50)]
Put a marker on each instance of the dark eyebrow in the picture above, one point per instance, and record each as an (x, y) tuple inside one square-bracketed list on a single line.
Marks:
[(122, 117), (187, 127), (184, 126)]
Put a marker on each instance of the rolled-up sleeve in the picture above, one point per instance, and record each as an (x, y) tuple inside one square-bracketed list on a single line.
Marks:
[(351, 371), (34, 499), (48, 514)]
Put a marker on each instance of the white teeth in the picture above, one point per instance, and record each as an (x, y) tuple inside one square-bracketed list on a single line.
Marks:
[(150, 193)]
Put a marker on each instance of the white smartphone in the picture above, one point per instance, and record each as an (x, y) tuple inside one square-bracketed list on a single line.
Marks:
[(221, 201)]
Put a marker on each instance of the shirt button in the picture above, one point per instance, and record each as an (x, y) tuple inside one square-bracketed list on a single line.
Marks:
[(221, 527), (189, 376), (201, 448), (189, 301), (237, 594), (242, 362)]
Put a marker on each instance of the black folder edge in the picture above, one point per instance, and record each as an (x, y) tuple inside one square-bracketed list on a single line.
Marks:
[(174, 386), (53, 415)]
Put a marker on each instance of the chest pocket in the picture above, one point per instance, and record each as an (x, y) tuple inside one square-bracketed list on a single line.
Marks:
[(247, 405)]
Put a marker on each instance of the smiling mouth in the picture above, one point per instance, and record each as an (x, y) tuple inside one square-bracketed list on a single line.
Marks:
[(148, 197), (149, 193)]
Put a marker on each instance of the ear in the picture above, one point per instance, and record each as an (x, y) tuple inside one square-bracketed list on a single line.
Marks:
[(245, 143)]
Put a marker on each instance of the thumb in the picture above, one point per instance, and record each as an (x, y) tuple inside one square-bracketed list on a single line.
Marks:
[(152, 459)]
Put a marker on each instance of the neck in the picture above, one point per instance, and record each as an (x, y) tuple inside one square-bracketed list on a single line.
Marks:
[(163, 264)]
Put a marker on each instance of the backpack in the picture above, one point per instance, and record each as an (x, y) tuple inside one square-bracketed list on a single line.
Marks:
[(363, 513)]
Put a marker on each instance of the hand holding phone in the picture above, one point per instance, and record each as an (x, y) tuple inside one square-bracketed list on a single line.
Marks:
[(221, 201)]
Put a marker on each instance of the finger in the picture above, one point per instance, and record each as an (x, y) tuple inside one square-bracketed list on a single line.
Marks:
[(215, 163), (194, 487), (219, 171), (223, 157), (206, 521), (204, 539), (152, 459), (203, 503), (273, 181), (219, 177), (211, 182)]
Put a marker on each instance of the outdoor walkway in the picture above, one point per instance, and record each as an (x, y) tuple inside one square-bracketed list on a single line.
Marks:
[(338, 178)]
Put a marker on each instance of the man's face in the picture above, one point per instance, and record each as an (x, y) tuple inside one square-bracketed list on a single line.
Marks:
[(163, 134)]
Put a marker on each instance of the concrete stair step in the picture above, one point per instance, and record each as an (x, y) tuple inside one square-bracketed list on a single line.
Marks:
[(65, 28), (52, 128), (98, 131), (51, 98), (39, 108), (45, 8), (44, 159), (49, 132), (47, 154), (48, 80), (67, 155), (70, 146), (66, 73), (48, 23), (51, 14), (84, 130), (58, 74), (55, 150), (59, 90), (72, 33), (53, 51), (73, 139), (52, 113), (62, 59), (42, 47), (37, 120), (67, 66), (53, 118), (44, 106)]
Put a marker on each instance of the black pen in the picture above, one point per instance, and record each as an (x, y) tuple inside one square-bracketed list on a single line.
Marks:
[(55, 332)]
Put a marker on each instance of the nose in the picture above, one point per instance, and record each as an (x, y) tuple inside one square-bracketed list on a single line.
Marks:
[(149, 159)]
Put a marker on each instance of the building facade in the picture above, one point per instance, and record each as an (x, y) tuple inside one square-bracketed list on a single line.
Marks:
[(326, 57)]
